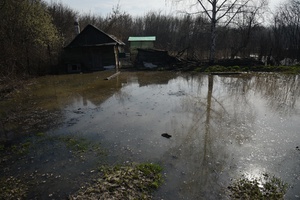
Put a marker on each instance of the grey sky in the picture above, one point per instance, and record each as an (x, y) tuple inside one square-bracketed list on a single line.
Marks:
[(133, 7)]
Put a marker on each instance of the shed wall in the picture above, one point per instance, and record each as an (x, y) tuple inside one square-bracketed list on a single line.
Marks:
[(90, 58)]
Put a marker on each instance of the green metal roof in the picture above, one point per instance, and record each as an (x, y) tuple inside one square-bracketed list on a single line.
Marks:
[(145, 38)]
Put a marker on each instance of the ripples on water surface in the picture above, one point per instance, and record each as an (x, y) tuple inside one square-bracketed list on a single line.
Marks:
[(221, 127)]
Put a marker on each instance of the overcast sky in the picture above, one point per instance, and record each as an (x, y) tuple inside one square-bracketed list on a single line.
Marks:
[(133, 7)]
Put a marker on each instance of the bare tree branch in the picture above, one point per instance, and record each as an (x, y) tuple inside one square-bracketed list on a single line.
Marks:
[(205, 9), (235, 13)]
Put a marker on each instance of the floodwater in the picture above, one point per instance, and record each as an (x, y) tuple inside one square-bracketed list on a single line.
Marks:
[(221, 127)]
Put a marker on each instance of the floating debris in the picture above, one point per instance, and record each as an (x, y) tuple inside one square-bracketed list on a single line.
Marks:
[(166, 135)]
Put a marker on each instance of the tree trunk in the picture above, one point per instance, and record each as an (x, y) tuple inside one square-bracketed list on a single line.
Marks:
[(213, 33), (212, 43)]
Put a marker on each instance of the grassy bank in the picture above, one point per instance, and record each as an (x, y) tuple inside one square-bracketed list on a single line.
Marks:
[(280, 69)]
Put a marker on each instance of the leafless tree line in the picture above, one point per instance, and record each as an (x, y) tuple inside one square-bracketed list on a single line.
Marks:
[(241, 29)]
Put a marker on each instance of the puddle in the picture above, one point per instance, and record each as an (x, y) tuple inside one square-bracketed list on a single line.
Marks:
[(204, 130)]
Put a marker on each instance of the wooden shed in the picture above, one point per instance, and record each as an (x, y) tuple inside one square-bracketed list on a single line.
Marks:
[(92, 50)]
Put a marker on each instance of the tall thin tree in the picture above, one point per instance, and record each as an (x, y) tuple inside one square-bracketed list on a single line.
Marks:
[(217, 11)]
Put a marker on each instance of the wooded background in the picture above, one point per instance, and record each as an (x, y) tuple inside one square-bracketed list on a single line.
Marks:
[(33, 33)]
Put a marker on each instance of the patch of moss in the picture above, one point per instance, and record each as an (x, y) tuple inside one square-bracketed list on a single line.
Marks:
[(267, 187), (135, 181)]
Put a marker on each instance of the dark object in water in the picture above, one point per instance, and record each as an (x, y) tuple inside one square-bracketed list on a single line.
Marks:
[(166, 135)]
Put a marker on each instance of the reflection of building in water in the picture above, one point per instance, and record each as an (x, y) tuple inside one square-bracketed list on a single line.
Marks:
[(153, 78), (99, 90)]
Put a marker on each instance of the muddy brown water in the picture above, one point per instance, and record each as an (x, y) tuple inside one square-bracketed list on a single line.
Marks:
[(221, 127)]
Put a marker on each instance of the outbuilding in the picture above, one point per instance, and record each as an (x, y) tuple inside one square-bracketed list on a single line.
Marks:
[(142, 42), (92, 50)]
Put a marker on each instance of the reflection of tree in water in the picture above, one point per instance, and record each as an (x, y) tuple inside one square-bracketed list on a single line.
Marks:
[(200, 152), (281, 91), (241, 110)]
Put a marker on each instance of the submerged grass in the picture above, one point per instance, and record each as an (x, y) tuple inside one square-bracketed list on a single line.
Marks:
[(76, 144), (36, 104), (63, 88), (16, 186), (81, 145), (12, 188), (266, 187), (17, 149), (135, 181)]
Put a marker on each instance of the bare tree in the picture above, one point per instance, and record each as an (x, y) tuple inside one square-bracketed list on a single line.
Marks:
[(217, 11), (118, 23), (287, 30), (244, 24)]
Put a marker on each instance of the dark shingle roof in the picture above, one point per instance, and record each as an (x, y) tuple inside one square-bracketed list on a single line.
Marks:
[(92, 36)]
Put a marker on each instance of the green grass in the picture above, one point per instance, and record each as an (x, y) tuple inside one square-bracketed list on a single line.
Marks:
[(154, 172), (134, 181)]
